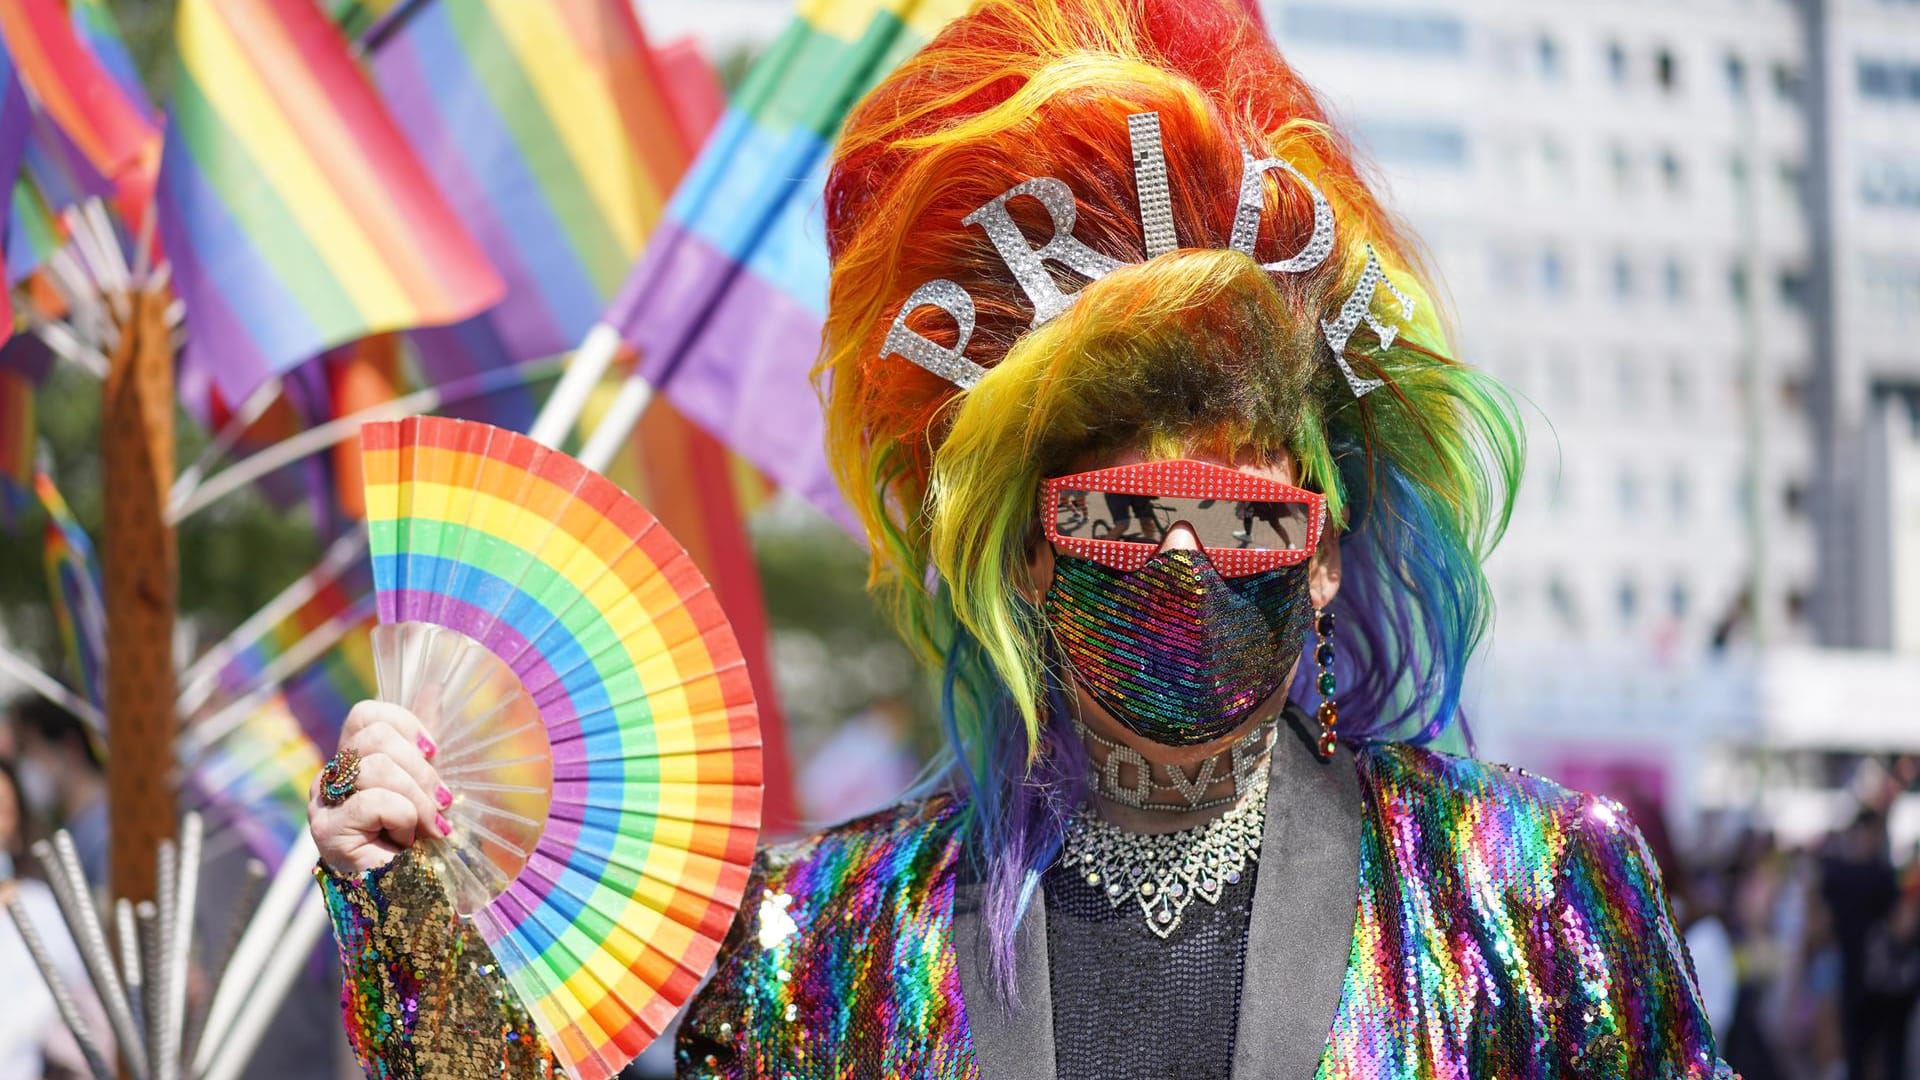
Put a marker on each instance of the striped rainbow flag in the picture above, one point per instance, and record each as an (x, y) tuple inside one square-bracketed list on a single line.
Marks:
[(254, 780), (110, 122), (73, 580), (727, 303), (549, 129), (295, 213), (99, 32)]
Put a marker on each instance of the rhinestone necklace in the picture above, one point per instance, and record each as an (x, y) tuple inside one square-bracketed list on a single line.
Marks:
[(1163, 872)]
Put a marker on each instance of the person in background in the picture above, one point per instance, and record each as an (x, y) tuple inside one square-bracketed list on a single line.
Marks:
[(61, 779), (33, 1041), (1860, 887)]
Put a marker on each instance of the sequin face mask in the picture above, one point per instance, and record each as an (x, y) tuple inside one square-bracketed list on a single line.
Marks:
[(1176, 652)]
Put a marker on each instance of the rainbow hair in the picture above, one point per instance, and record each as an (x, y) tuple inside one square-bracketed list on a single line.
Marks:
[(1196, 348)]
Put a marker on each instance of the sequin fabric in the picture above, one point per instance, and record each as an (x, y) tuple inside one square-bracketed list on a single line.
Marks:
[(420, 993), (842, 963), (1175, 651), (1508, 927), (1504, 927)]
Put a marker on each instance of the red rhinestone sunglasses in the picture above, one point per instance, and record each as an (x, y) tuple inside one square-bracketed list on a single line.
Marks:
[(1118, 517)]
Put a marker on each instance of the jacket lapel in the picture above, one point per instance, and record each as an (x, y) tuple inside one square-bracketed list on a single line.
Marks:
[(1005, 1044), (1304, 903)]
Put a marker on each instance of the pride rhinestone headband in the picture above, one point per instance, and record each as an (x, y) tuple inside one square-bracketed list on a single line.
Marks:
[(1028, 263)]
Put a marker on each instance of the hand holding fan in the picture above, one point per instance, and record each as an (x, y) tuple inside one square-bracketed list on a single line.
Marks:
[(594, 720)]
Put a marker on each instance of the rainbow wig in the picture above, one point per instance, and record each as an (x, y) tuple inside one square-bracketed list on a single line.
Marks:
[(1196, 348)]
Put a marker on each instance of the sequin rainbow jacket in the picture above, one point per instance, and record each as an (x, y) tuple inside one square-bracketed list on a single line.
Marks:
[(1417, 917)]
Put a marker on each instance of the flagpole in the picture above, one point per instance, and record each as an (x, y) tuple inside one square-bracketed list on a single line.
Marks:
[(17, 667), (321, 436), (562, 409), (613, 430)]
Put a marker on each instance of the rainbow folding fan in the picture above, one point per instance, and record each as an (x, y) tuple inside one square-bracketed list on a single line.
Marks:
[(594, 719)]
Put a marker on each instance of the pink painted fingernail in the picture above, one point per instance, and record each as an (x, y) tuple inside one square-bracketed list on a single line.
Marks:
[(442, 796), (426, 745), (440, 822)]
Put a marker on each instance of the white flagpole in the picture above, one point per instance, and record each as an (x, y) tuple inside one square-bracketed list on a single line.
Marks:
[(561, 411)]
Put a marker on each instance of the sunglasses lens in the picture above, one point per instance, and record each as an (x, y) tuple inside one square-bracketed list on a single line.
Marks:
[(1219, 524)]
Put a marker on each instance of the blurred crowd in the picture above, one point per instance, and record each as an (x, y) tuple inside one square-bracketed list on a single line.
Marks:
[(1808, 955)]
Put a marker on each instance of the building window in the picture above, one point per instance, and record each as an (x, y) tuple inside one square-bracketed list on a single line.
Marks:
[(1888, 80), (1891, 183), (1414, 143), (1673, 277), (1620, 163), (1616, 63), (1627, 492), (1553, 272), (1546, 58), (1793, 183), (1628, 598), (1737, 287), (1677, 600), (1736, 70), (1679, 494), (1410, 32), (1622, 275), (1788, 84), (1892, 287), (1793, 393), (1671, 172), (1560, 601), (1666, 71), (1794, 498), (1793, 289)]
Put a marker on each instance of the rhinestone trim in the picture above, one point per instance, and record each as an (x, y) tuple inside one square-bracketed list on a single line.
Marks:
[(1358, 309), (1246, 763), (1246, 217), (948, 363), (1150, 180), (1163, 873), (1028, 263)]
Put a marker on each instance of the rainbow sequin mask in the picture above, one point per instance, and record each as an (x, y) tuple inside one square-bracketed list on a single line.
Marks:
[(1176, 652)]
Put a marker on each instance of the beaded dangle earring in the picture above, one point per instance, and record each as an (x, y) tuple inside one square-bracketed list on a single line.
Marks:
[(1329, 715)]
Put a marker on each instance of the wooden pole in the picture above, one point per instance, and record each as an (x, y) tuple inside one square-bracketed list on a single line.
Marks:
[(139, 566)]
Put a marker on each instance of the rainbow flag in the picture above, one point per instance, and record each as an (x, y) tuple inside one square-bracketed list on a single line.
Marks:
[(726, 305), (254, 780), (99, 33), (32, 231), (296, 214), (16, 122), (73, 579), (109, 121), (704, 495), (548, 129)]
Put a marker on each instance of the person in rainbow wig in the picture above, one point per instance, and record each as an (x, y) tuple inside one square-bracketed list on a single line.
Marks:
[(1167, 465)]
